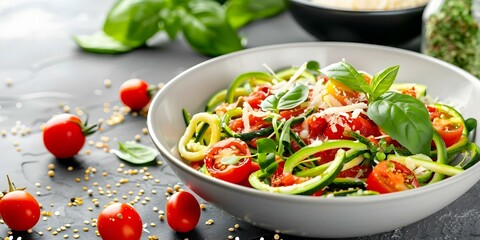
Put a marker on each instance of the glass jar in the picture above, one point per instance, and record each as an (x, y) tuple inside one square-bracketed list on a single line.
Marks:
[(451, 33)]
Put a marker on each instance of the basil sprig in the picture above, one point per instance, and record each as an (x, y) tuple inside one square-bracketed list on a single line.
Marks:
[(404, 118), (286, 100), (208, 26)]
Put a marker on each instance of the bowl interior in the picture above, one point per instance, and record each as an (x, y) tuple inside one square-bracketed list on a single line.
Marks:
[(192, 89)]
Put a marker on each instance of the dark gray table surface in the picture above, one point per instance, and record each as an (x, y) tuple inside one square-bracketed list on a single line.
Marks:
[(41, 69)]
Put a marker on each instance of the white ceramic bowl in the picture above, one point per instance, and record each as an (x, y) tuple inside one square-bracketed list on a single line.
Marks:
[(305, 215)]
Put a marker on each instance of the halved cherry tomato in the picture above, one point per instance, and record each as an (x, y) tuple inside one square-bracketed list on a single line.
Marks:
[(183, 211), (365, 126), (19, 210), (279, 178), (442, 122), (64, 135), (391, 176), (343, 94), (229, 160), (119, 221), (135, 94)]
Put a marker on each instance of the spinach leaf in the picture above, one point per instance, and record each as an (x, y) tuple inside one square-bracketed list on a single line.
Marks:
[(242, 12), (133, 22), (347, 75), (206, 29), (266, 150), (405, 119), (101, 43), (382, 81), (135, 153), (286, 100), (266, 145)]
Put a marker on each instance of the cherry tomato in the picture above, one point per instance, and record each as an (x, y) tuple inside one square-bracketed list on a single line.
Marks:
[(449, 130), (236, 169), (19, 210), (64, 135), (365, 126), (183, 211), (119, 221), (343, 94), (134, 93), (391, 176)]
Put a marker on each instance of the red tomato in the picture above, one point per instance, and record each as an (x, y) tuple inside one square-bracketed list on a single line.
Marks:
[(365, 127), (391, 176), (134, 93), (19, 210), (226, 149), (287, 114), (119, 221), (355, 172), (450, 131), (316, 126), (256, 98), (183, 211), (64, 135)]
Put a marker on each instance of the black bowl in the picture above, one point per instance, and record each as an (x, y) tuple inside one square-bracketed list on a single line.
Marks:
[(394, 27)]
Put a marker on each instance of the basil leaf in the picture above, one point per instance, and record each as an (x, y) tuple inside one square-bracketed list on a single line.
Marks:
[(347, 75), (383, 80), (266, 145), (270, 103), (405, 119), (135, 153), (242, 12), (133, 22), (171, 21), (206, 29), (293, 97), (101, 43)]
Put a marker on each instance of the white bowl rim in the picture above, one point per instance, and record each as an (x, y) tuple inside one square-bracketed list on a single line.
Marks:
[(301, 198), (370, 12)]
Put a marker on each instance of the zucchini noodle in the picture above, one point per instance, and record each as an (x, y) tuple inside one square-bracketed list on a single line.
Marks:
[(194, 151)]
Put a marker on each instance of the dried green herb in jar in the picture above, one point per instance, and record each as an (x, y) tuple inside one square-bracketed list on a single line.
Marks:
[(451, 33)]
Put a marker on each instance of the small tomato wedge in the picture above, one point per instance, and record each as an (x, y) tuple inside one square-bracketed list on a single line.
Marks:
[(119, 221), (183, 211), (391, 176), (447, 122), (229, 160)]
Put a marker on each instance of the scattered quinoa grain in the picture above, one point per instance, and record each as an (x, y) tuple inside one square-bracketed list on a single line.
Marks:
[(51, 173)]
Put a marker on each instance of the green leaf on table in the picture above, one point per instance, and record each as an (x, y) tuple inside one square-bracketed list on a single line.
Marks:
[(347, 75), (101, 43), (135, 153), (133, 22), (206, 29), (382, 81), (405, 119), (242, 12)]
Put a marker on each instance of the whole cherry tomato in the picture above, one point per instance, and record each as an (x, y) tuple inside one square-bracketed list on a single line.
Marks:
[(183, 211), (119, 221), (391, 176), (19, 209), (64, 135), (229, 160), (135, 94)]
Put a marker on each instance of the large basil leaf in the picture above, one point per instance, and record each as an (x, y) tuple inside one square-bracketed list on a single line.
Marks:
[(405, 119), (241, 12), (133, 22), (382, 81), (101, 43), (206, 29), (347, 75), (135, 153)]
